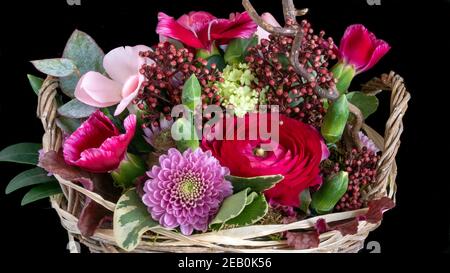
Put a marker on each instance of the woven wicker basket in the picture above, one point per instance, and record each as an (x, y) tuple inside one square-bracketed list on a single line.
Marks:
[(244, 239)]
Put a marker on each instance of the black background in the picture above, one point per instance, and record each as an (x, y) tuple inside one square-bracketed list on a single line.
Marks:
[(416, 30)]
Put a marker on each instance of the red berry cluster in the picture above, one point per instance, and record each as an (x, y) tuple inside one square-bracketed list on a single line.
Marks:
[(296, 97), (165, 77), (361, 167)]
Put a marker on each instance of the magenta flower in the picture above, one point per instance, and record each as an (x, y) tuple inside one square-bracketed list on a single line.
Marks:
[(361, 48), (97, 145), (122, 65), (186, 190), (201, 29)]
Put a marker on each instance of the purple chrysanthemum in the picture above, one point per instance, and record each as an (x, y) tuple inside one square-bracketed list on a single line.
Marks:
[(367, 142), (186, 190)]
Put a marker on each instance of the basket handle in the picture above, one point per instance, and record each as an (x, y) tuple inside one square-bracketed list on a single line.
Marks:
[(393, 130)]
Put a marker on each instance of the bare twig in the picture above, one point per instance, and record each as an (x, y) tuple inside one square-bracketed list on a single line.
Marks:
[(266, 26), (359, 119)]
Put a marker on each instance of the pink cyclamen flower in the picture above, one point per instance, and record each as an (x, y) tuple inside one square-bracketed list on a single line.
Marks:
[(122, 65), (186, 190), (268, 18), (97, 145), (201, 29), (360, 48)]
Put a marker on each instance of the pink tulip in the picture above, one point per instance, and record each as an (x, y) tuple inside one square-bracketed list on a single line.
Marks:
[(122, 65), (268, 18), (361, 48), (97, 145), (201, 29)]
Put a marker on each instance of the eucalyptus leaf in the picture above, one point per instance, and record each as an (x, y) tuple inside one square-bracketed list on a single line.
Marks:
[(131, 220), (86, 55), (252, 213), (76, 109), (25, 153), (256, 184), (28, 178), (367, 104), (68, 125), (35, 82), (59, 67), (231, 207), (237, 49), (40, 192)]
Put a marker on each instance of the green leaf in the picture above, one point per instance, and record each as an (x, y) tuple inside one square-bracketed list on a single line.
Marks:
[(252, 213), (68, 125), (41, 192), (367, 104), (284, 60), (130, 168), (76, 109), (131, 220), (27, 178), (35, 83), (218, 60), (191, 93), (184, 134), (305, 201), (257, 184), (25, 153), (56, 67), (237, 49), (231, 207), (86, 55)]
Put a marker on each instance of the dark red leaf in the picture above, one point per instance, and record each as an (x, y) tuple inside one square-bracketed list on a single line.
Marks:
[(303, 240), (92, 214), (377, 208)]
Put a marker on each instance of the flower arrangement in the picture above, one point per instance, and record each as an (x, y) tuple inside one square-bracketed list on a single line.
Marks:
[(226, 127)]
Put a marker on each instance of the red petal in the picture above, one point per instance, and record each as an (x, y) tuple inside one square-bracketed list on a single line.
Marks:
[(381, 49), (97, 146), (224, 30), (356, 46), (169, 27), (91, 134), (195, 20)]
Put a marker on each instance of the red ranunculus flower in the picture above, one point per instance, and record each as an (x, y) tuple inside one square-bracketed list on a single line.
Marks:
[(97, 145), (297, 156)]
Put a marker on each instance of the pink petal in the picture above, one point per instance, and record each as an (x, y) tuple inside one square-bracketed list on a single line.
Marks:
[(167, 26), (124, 62), (268, 18), (96, 90), (325, 150), (356, 46), (125, 102), (195, 20), (239, 26), (381, 49), (91, 134), (131, 85), (108, 156)]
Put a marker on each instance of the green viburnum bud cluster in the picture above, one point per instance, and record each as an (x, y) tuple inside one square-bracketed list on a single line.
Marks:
[(236, 91)]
